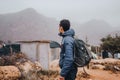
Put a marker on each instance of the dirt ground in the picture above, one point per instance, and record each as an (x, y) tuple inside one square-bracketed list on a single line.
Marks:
[(101, 69), (97, 74)]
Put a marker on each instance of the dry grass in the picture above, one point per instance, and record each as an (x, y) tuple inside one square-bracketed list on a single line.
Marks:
[(32, 72), (114, 68), (109, 64), (41, 75), (12, 59)]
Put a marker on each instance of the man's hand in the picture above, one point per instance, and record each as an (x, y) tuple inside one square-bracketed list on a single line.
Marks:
[(62, 78)]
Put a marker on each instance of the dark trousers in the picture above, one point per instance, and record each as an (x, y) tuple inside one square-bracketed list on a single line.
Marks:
[(71, 74)]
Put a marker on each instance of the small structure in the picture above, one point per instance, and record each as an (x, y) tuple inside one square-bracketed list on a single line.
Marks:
[(39, 51), (3, 49)]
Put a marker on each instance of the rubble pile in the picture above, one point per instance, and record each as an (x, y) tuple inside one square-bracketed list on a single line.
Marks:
[(33, 71), (29, 70), (9, 73), (19, 67), (8, 68), (54, 65), (16, 64), (48, 75), (106, 64), (82, 75), (13, 59)]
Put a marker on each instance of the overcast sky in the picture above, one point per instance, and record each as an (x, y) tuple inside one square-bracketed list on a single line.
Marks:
[(79, 11)]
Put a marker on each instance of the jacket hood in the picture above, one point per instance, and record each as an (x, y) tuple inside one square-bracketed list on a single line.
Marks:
[(69, 32)]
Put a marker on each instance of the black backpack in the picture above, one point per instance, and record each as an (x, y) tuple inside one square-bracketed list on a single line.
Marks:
[(82, 56)]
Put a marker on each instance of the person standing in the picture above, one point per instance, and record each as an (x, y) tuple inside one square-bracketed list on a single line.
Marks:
[(105, 54), (66, 62)]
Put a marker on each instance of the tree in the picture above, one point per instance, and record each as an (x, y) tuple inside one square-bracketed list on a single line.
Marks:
[(112, 44)]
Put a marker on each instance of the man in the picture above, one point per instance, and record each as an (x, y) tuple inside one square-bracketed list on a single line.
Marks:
[(66, 63), (105, 54)]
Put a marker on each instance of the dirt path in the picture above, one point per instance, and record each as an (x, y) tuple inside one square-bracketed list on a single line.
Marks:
[(102, 75)]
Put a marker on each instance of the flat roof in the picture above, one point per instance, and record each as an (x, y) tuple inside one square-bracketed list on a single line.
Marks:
[(35, 41)]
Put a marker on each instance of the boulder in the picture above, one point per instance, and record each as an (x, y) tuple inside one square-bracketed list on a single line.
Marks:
[(98, 66), (29, 70), (106, 61), (54, 65), (9, 73)]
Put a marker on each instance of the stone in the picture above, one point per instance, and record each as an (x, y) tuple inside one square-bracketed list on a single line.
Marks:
[(9, 73)]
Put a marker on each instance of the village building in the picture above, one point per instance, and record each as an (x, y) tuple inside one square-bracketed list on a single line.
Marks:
[(40, 51)]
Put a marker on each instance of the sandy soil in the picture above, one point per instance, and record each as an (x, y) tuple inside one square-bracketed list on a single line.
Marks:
[(97, 74)]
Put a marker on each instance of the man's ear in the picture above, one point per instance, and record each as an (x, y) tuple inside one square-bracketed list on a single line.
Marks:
[(62, 30)]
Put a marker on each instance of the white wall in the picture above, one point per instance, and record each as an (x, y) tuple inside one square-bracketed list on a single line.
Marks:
[(37, 52), (29, 49), (40, 52), (44, 52)]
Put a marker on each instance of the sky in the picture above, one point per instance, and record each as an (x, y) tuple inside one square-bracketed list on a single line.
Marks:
[(79, 11)]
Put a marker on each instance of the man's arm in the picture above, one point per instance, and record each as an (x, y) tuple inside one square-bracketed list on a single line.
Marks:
[(68, 60)]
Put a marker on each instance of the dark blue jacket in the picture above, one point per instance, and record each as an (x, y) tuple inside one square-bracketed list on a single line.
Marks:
[(66, 55)]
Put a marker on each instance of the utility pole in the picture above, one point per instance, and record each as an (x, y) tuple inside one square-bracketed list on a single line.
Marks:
[(86, 39)]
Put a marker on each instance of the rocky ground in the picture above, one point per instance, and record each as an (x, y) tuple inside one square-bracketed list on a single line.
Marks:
[(19, 67), (102, 69)]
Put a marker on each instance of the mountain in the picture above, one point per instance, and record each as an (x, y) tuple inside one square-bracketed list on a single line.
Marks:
[(94, 30), (114, 33), (27, 25)]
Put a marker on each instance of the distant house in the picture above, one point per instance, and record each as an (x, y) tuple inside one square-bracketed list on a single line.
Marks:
[(40, 51)]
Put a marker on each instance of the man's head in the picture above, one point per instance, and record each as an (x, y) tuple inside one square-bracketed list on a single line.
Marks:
[(64, 25)]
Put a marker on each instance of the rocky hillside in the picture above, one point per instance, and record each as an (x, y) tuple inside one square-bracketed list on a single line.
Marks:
[(28, 24), (94, 30)]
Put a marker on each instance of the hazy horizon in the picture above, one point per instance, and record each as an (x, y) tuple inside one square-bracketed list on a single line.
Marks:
[(78, 11)]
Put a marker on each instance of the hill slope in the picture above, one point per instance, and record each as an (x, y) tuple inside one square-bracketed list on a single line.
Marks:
[(94, 30), (28, 24)]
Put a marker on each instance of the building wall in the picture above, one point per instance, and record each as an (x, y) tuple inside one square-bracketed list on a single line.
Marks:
[(44, 55), (40, 52), (30, 50), (37, 52)]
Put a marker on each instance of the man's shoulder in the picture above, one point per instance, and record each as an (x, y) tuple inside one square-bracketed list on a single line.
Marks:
[(68, 39)]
